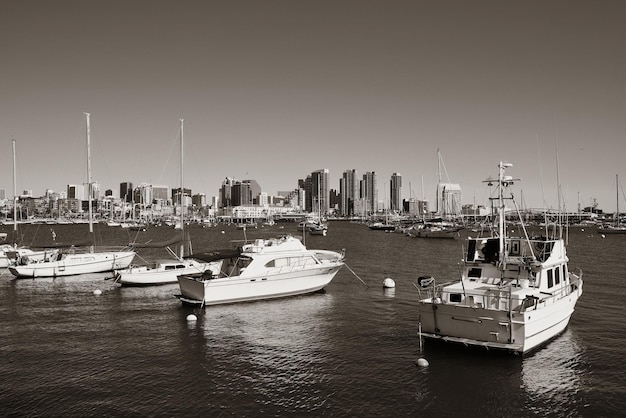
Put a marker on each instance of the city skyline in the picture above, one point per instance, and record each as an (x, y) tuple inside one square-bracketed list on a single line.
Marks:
[(274, 90)]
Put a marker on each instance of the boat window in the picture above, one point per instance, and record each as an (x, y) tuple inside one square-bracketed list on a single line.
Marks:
[(550, 278), (515, 247), (557, 275), (475, 272), (471, 250), (455, 297)]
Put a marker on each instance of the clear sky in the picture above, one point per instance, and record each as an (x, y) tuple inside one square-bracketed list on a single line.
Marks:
[(273, 90)]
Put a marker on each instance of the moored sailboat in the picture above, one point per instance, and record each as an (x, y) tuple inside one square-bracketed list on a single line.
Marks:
[(515, 293), (73, 262), (166, 271), (12, 253), (616, 227)]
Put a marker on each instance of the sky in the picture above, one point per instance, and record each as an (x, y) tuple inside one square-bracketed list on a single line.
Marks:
[(273, 90)]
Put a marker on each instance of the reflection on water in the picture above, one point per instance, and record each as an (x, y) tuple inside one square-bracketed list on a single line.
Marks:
[(275, 349), (553, 376)]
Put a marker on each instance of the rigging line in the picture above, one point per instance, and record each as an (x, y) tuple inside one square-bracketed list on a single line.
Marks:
[(175, 144), (543, 195), (355, 275)]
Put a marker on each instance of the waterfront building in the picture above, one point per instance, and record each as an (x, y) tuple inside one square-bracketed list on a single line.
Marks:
[(126, 192), (448, 199), (348, 191), (160, 192), (318, 191), (76, 191), (395, 192), (369, 191)]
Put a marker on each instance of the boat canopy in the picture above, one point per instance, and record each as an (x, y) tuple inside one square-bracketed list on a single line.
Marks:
[(207, 257)]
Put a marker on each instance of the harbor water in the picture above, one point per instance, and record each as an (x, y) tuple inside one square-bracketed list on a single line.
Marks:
[(349, 350)]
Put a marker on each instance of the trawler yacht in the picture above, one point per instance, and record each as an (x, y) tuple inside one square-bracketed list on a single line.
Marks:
[(515, 293)]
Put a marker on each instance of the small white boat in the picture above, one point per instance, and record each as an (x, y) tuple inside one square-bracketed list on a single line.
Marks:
[(515, 293), (72, 263), (436, 231), (264, 269), (160, 272)]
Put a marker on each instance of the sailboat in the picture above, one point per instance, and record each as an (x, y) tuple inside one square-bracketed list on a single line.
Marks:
[(11, 253), (617, 227), (72, 262), (441, 227), (515, 293), (166, 271)]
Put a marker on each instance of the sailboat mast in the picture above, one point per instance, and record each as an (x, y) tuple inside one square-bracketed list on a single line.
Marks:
[(14, 195), (88, 133), (501, 210), (617, 198), (182, 190)]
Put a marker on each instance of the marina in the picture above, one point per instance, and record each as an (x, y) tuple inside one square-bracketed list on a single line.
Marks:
[(348, 350)]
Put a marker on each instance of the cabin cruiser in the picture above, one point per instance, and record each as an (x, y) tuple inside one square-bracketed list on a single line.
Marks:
[(515, 293), (263, 269)]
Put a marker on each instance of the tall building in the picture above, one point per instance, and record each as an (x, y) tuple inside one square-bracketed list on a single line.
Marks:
[(176, 195), (238, 193), (226, 199), (448, 199), (348, 191), (76, 191), (126, 192), (320, 191), (395, 192), (160, 193), (369, 191)]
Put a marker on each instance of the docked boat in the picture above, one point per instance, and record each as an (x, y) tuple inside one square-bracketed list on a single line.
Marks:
[(263, 269), (318, 229), (617, 227), (435, 231), (515, 293), (72, 262), (380, 226), (160, 272), (12, 253)]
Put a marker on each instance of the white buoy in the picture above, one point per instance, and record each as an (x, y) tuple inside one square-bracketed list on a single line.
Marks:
[(422, 362), (191, 317), (97, 292), (223, 232), (389, 283), (603, 236)]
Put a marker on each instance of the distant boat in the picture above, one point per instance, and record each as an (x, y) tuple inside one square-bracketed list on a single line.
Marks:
[(434, 230), (617, 227), (263, 269), (379, 226), (515, 293), (72, 262), (165, 271), (318, 229)]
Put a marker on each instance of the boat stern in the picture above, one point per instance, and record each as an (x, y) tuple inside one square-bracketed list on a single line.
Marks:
[(191, 289)]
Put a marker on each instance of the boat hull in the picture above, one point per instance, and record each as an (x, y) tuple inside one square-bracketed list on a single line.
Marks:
[(246, 289), (73, 264), (492, 329), (145, 276)]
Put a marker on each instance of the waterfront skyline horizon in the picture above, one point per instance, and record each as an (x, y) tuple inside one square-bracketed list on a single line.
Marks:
[(268, 88)]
